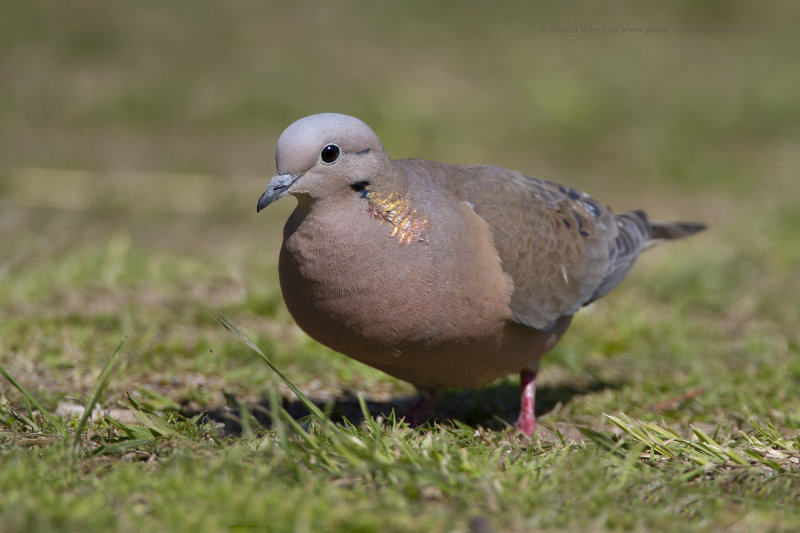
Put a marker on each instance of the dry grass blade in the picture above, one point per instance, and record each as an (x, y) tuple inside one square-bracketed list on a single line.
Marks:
[(707, 451), (652, 436)]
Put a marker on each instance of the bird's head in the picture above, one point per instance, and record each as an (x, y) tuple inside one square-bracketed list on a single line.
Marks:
[(325, 155)]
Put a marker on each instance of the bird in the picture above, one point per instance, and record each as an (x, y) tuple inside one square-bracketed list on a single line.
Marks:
[(440, 275)]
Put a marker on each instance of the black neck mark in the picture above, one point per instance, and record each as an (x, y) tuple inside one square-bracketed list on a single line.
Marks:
[(361, 188)]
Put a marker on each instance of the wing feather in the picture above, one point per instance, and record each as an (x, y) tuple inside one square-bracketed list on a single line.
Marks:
[(554, 242)]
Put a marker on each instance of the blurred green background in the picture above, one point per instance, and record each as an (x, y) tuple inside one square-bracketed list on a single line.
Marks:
[(136, 137), (198, 86)]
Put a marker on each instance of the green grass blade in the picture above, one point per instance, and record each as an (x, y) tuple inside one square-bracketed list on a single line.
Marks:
[(275, 415), (233, 328), (132, 431), (602, 439), (155, 424), (97, 390)]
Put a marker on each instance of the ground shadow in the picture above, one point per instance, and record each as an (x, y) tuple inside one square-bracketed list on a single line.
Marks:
[(491, 407)]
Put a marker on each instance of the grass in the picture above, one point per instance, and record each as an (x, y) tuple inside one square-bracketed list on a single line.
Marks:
[(134, 144)]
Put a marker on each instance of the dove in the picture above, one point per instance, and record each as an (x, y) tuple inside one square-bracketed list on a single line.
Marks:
[(440, 275)]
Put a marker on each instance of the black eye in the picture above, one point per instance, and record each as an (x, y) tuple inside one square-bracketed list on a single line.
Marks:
[(330, 154)]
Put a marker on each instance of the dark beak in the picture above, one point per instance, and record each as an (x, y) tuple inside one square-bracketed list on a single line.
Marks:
[(278, 187)]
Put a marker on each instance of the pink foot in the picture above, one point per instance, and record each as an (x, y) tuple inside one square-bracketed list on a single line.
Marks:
[(418, 413), (526, 423)]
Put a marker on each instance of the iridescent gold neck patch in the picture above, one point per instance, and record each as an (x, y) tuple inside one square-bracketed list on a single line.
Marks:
[(409, 224)]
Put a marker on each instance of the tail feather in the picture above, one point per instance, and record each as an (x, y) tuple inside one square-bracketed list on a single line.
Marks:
[(636, 233), (674, 230)]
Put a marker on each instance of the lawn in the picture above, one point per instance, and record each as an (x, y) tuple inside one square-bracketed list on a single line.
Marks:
[(137, 278)]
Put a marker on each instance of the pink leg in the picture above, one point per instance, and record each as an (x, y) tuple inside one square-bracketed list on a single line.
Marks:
[(418, 413), (526, 423)]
